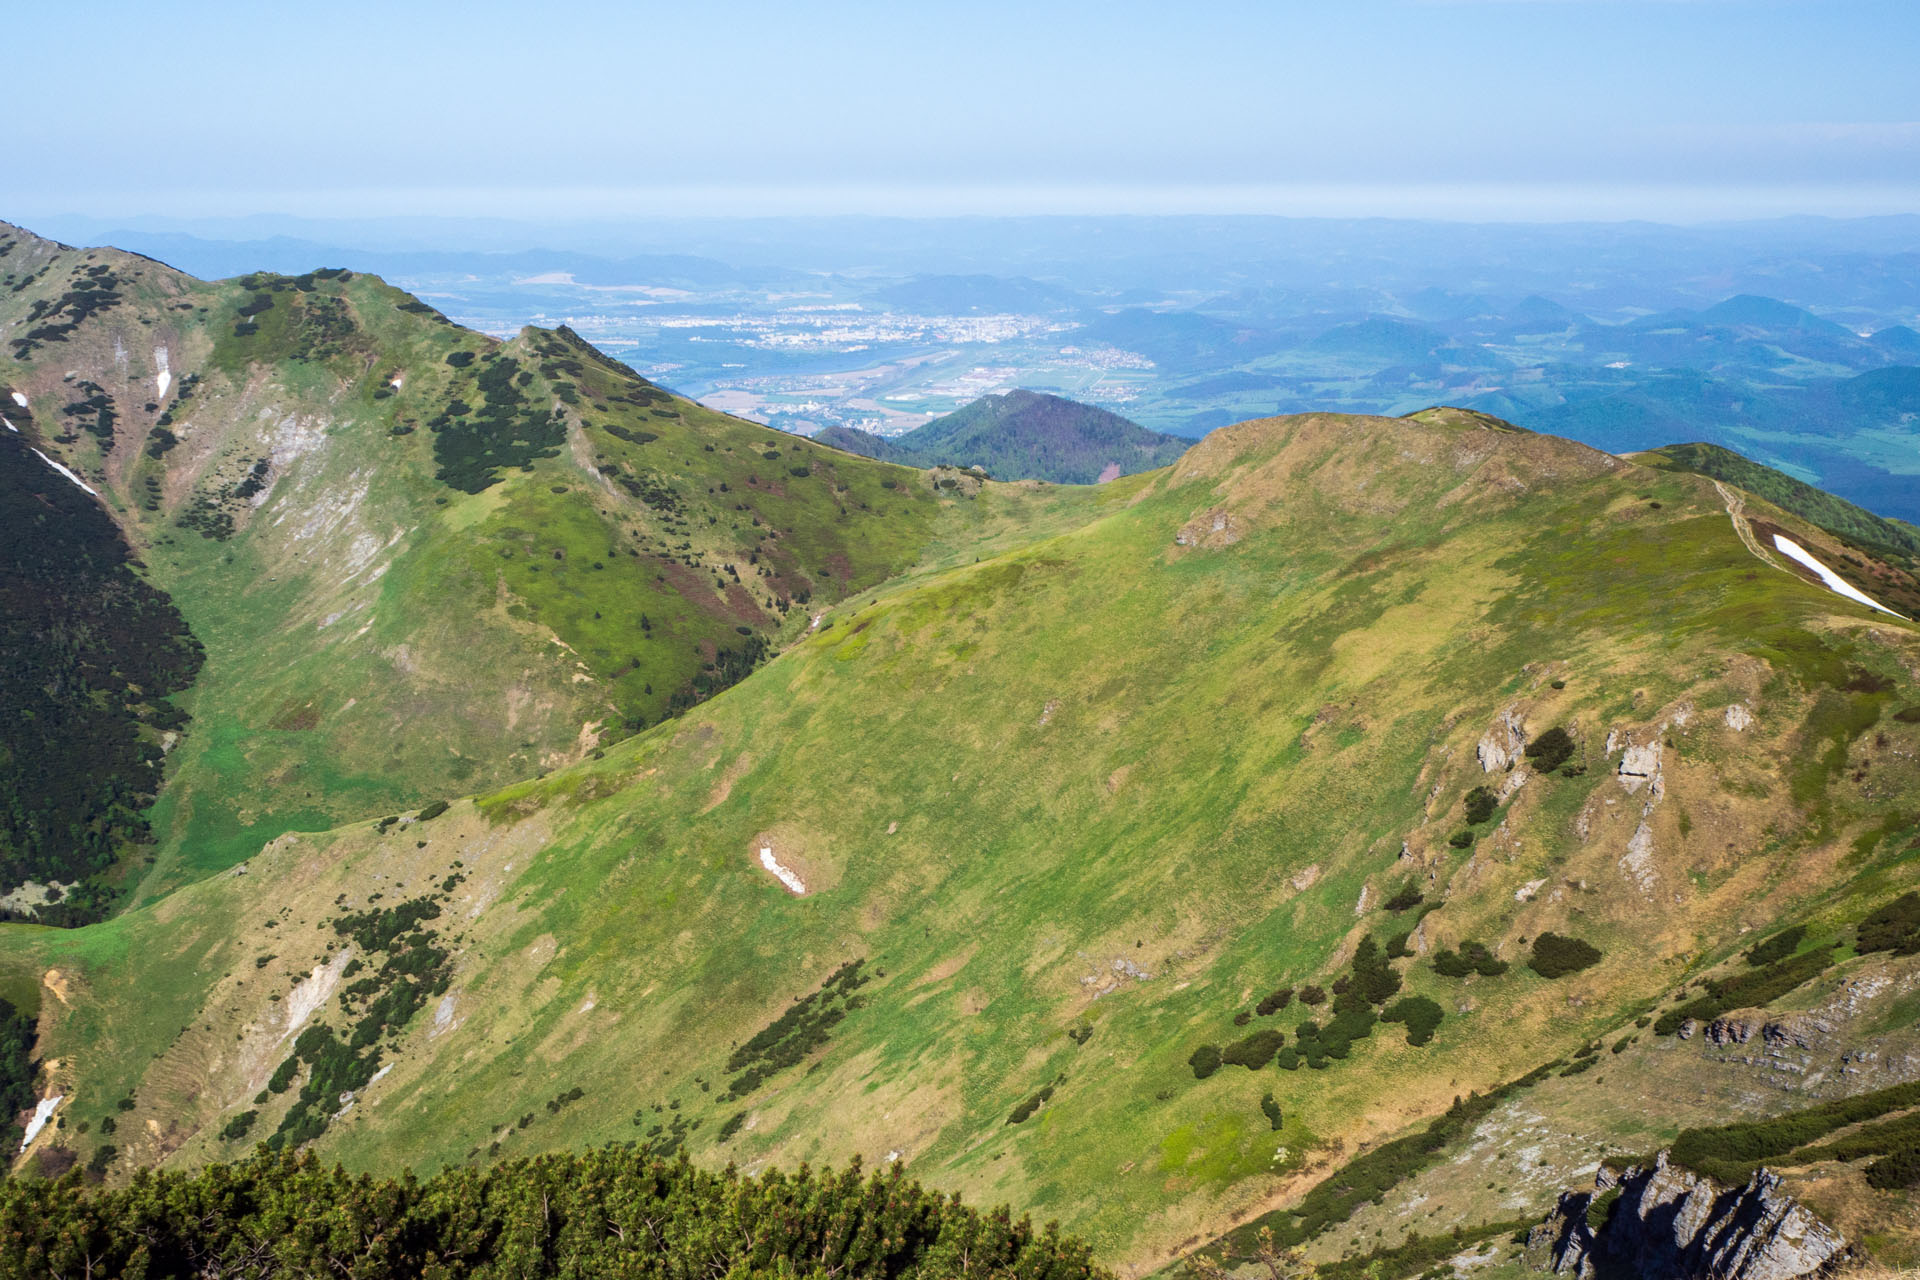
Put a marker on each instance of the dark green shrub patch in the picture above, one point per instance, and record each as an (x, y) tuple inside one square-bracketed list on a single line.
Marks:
[(1894, 927), (1312, 995), (1778, 947), (1205, 1061), (803, 1028), (1729, 1152), (1031, 1105), (1271, 1110), (1406, 899), (414, 969), (1421, 1016), (1347, 1026), (1480, 805), (93, 652), (1374, 980), (1550, 750), (1255, 1051), (1462, 839), (431, 812), (1397, 948), (1274, 1001), (91, 291), (573, 1215), (239, 1126), (1472, 957), (1897, 1171), (1555, 956), (17, 1093), (506, 431), (1368, 1178), (631, 437), (1751, 989), (1420, 1255)]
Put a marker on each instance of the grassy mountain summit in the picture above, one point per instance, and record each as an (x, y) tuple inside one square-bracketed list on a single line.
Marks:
[(420, 560), (1477, 744), (1023, 435)]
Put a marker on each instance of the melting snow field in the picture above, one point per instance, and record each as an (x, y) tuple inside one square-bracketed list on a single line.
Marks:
[(19, 399), (42, 1112), (63, 471), (780, 873), (10, 426), (164, 378), (1835, 583)]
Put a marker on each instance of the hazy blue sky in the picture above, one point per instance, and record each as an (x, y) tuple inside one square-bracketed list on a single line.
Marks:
[(1674, 109)]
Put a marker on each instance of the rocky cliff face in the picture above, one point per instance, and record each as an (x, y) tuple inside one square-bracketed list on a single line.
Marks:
[(1664, 1223)]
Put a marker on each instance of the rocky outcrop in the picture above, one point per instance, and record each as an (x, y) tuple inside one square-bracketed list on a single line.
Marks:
[(1502, 746), (1664, 1223), (1640, 766)]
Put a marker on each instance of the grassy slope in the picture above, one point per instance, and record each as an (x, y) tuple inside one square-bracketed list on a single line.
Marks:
[(376, 638), (1880, 556), (1836, 515), (1192, 737)]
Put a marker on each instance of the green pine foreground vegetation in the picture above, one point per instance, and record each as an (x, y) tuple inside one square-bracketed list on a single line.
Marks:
[(596, 1214), (589, 802)]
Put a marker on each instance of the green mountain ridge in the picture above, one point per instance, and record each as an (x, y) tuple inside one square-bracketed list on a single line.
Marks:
[(357, 505), (1023, 435), (1236, 842)]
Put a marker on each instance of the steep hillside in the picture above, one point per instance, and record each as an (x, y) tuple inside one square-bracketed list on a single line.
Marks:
[(1141, 876), (1023, 435), (422, 561), (1882, 556)]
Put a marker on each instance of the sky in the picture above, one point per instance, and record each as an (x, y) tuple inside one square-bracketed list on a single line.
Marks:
[(1673, 110)]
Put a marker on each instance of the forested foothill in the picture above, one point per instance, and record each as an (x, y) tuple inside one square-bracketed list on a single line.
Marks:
[(96, 655)]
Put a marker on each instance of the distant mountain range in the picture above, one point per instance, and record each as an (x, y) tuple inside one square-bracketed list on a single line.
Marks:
[(1023, 435)]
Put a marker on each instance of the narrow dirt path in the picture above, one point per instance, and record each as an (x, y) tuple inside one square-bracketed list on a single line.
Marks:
[(1736, 512)]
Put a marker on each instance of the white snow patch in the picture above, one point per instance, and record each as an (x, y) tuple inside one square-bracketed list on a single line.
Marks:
[(10, 426), (780, 873), (312, 991), (1835, 583), (42, 1112), (164, 378), (19, 399), (63, 471)]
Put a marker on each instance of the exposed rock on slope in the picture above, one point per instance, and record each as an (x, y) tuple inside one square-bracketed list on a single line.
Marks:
[(1664, 1223)]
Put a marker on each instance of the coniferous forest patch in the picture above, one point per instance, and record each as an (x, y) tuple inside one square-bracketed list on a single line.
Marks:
[(96, 652), (473, 446)]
